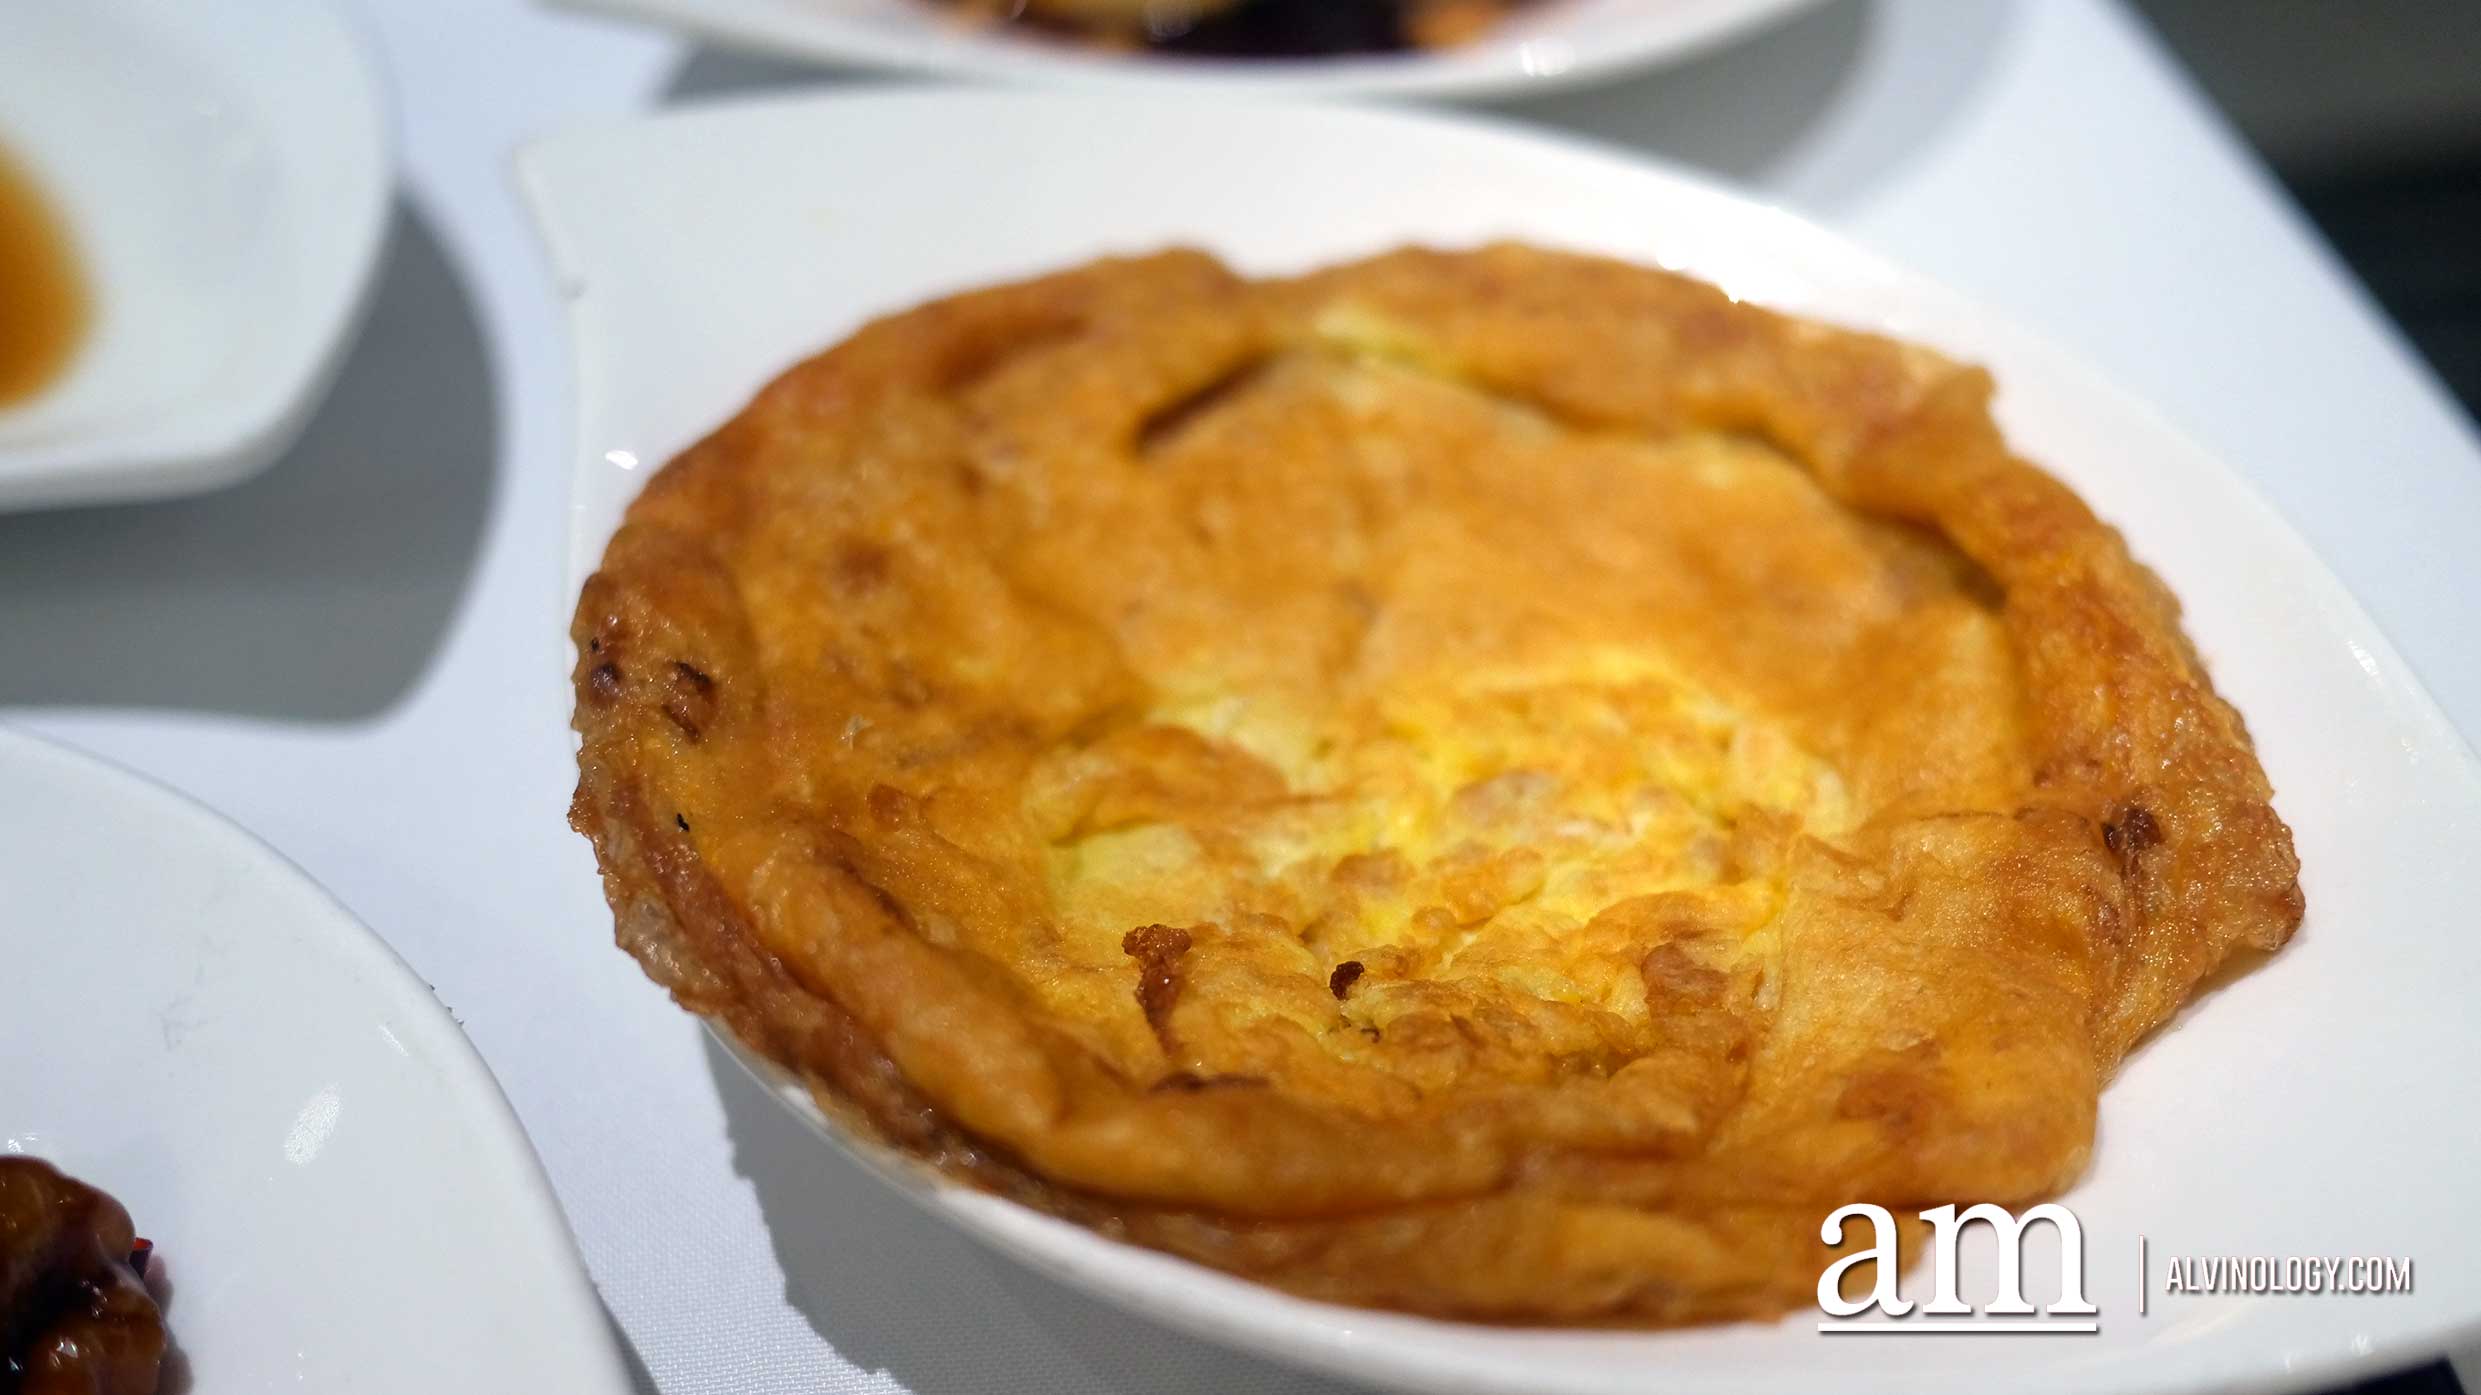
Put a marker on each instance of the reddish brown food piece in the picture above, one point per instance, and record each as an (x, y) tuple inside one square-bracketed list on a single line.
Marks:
[(1258, 28), (75, 1318)]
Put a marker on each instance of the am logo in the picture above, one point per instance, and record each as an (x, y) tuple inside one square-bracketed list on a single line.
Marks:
[(1947, 1311)]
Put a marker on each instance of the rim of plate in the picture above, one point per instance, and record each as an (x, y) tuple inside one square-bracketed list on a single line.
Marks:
[(1386, 1346), (423, 1022), (1495, 66)]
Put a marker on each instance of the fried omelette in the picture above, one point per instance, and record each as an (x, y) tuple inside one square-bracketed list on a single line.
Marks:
[(1499, 784)]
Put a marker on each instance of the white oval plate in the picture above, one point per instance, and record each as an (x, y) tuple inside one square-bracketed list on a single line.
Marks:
[(2322, 1105), (1558, 43), (339, 1196), (224, 171)]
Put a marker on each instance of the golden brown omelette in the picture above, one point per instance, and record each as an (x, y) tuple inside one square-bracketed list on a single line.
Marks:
[(1501, 784)]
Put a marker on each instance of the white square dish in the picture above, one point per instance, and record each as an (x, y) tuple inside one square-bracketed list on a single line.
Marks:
[(223, 171), (2320, 1105)]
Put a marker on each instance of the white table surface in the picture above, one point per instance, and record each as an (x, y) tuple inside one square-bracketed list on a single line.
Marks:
[(350, 655)]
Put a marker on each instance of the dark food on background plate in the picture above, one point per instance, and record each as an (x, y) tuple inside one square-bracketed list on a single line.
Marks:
[(1257, 28), (75, 1316), (1504, 784)]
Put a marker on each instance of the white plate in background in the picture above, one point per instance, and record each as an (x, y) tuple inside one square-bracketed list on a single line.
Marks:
[(2321, 1105), (339, 1196), (1550, 44), (224, 172)]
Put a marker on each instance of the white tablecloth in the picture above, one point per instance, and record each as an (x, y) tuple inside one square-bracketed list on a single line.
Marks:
[(351, 654)]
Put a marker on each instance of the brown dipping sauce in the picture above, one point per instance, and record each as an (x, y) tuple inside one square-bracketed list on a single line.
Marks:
[(43, 301), (75, 1319)]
